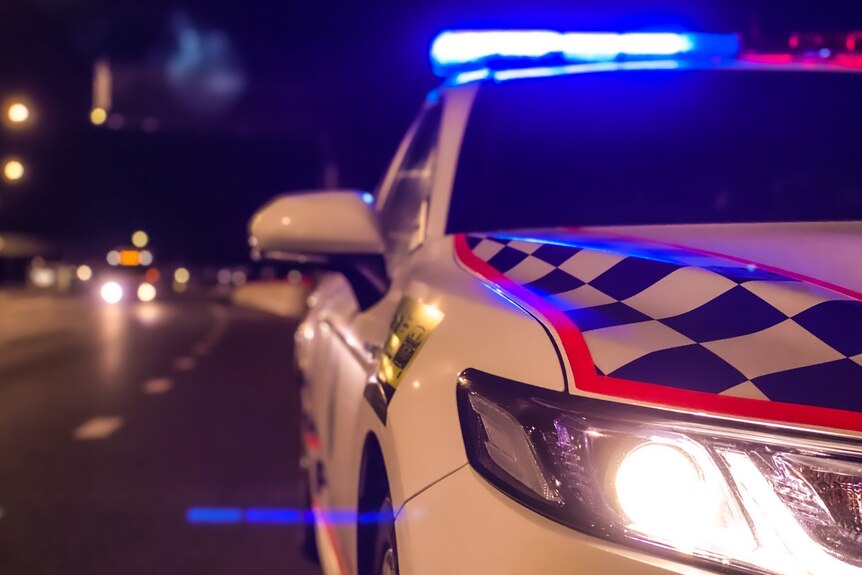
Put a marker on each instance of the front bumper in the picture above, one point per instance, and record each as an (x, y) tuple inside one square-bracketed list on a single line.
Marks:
[(464, 525)]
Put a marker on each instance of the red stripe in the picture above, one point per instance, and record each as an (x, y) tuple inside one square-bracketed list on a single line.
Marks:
[(331, 537), (311, 441), (573, 341), (586, 378)]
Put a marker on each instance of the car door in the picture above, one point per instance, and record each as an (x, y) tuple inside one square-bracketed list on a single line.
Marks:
[(343, 358)]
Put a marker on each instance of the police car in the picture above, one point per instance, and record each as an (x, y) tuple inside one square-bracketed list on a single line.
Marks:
[(601, 316)]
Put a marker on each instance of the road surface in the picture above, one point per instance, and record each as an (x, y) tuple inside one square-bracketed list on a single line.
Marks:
[(121, 427)]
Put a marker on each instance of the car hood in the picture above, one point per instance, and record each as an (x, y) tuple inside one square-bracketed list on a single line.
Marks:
[(760, 321)]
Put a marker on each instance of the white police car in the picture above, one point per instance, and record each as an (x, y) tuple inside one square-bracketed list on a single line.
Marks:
[(603, 316)]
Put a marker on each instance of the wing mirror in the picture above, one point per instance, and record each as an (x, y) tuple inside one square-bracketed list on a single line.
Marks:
[(333, 230)]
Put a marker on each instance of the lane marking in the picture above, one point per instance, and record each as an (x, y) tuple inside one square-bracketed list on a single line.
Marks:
[(214, 334), (204, 346), (98, 428), (158, 385), (184, 363)]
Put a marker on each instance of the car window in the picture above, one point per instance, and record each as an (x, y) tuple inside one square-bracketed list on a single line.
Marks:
[(661, 147), (404, 214)]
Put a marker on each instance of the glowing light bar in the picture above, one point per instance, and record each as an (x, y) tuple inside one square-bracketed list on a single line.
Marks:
[(459, 51)]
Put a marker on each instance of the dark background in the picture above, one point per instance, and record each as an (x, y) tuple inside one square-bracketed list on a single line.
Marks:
[(323, 83)]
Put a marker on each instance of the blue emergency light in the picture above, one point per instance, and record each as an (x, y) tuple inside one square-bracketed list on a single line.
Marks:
[(455, 51)]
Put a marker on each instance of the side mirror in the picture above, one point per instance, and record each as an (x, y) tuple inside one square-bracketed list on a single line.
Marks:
[(334, 230)]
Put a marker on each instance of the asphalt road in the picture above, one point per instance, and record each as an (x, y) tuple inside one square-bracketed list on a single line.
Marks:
[(116, 423)]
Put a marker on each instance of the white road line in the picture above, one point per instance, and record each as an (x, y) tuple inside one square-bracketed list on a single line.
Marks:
[(215, 333), (158, 385), (184, 363), (98, 428)]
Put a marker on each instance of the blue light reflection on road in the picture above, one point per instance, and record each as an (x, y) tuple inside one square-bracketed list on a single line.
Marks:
[(214, 515), (278, 516)]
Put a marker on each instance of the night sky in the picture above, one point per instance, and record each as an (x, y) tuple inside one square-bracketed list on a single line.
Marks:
[(321, 82)]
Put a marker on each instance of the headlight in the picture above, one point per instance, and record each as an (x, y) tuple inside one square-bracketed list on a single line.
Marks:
[(743, 497), (111, 292), (146, 292)]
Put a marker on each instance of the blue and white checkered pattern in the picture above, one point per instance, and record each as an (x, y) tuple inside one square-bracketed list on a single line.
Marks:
[(685, 320)]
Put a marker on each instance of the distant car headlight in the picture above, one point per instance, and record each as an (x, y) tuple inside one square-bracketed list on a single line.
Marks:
[(111, 292), (741, 497), (146, 292)]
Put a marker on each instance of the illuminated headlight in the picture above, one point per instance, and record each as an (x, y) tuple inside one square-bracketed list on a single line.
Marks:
[(146, 292), (741, 497), (111, 292)]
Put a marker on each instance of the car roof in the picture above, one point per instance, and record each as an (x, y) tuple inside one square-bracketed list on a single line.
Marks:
[(767, 63)]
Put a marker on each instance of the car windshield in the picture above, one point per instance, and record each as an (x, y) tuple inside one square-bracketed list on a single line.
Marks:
[(661, 147)]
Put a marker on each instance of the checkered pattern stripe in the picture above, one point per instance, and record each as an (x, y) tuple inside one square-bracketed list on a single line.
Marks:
[(690, 321)]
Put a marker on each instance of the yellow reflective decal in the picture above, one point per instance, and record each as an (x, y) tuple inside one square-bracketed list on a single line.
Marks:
[(411, 326)]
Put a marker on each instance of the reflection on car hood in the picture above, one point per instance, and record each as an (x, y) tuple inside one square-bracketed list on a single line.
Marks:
[(685, 316)]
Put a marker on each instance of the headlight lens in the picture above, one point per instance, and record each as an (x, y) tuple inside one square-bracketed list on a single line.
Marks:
[(744, 497)]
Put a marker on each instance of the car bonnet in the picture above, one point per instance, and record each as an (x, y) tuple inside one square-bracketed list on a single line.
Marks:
[(661, 323)]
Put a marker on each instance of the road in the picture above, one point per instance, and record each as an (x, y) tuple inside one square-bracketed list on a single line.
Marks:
[(119, 426)]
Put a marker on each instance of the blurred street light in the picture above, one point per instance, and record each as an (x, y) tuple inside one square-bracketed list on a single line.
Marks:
[(13, 170), (17, 112), (84, 273), (98, 116), (43, 277), (140, 239), (146, 258), (181, 275)]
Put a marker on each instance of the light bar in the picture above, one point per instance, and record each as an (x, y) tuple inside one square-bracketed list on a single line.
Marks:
[(459, 51)]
